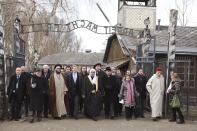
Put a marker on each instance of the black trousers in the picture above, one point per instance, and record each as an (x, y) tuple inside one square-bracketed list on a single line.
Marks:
[(129, 112), (109, 107), (46, 105), (180, 115), (36, 113), (16, 108), (27, 103), (142, 104), (74, 106), (81, 104), (117, 108)]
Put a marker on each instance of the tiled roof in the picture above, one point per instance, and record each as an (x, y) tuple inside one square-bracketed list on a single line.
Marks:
[(186, 40), (72, 58)]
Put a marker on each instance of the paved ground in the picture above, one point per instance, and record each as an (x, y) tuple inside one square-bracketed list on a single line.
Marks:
[(84, 124)]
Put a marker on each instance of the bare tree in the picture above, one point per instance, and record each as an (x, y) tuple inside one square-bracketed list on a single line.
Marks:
[(36, 11), (184, 9)]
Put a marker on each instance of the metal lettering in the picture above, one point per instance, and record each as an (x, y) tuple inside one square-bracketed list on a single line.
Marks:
[(39, 27), (94, 28), (89, 25), (83, 23), (74, 23)]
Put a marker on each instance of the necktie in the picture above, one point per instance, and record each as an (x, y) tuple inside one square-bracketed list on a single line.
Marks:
[(17, 81)]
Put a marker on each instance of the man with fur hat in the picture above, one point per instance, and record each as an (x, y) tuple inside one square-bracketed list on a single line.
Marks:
[(110, 93), (101, 74), (57, 91), (155, 87)]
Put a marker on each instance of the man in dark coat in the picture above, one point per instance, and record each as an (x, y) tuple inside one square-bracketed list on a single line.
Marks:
[(74, 89), (100, 73), (117, 74), (27, 76), (16, 92), (101, 76), (110, 93), (46, 73), (84, 74), (140, 83), (38, 83), (92, 94)]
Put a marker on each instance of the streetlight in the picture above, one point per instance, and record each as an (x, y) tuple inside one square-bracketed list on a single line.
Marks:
[(147, 37), (147, 22)]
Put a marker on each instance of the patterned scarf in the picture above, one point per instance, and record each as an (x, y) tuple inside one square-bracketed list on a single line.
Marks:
[(130, 93)]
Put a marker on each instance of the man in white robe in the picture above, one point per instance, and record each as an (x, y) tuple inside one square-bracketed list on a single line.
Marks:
[(155, 87)]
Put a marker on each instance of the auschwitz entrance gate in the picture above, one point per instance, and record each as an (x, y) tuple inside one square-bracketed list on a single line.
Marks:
[(8, 65)]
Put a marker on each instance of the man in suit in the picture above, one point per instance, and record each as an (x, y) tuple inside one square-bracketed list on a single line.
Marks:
[(16, 92), (74, 89), (140, 83)]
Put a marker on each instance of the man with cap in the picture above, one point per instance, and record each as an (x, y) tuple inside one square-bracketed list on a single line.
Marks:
[(101, 76), (155, 87), (57, 91), (110, 93), (100, 73)]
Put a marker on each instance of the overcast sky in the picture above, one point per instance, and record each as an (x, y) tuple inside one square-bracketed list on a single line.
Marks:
[(88, 10)]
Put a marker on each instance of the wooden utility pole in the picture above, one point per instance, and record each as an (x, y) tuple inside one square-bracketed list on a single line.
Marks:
[(172, 39), (171, 49)]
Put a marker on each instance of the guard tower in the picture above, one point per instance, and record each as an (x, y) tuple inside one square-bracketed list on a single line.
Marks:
[(132, 13)]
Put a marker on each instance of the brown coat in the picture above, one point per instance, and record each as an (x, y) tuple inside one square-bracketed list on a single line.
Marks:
[(52, 96)]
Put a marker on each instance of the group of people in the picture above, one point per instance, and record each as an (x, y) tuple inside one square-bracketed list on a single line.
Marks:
[(67, 92)]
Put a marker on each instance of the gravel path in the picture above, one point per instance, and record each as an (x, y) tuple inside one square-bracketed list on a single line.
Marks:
[(84, 124)]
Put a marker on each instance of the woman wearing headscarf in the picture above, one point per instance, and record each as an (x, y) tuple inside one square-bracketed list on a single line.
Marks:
[(174, 91), (92, 94)]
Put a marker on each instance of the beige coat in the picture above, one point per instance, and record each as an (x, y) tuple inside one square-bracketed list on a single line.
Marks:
[(52, 96), (155, 87)]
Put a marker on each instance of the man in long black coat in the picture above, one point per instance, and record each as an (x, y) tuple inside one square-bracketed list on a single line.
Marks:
[(84, 74), (46, 73), (38, 83), (101, 76), (117, 107), (16, 92), (27, 75), (92, 94), (74, 89), (110, 93), (140, 83)]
